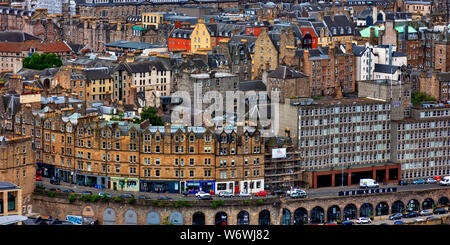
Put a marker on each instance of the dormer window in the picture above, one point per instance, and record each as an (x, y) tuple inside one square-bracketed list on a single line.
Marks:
[(32, 50)]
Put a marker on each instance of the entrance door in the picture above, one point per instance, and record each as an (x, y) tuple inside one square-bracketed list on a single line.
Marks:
[(115, 186), (236, 188)]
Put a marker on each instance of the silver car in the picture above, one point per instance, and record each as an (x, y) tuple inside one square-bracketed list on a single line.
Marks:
[(225, 194), (430, 181)]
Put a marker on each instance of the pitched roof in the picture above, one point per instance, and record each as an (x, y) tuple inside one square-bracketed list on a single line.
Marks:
[(16, 36), (388, 69), (284, 72), (47, 47)]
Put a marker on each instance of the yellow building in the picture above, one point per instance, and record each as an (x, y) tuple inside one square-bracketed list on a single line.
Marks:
[(152, 19), (200, 37), (99, 84)]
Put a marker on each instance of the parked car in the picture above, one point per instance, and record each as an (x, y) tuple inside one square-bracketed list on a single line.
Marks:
[(440, 211), (38, 178), (244, 194), (164, 198), (278, 192), (225, 194), (69, 191), (396, 216), (419, 220), (204, 196), (298, 195), (411, 214), (399, 222), (430, 181), (126, 195), (103, 193), (142, 197), (363, 220), (261, 193), (330, 223), (445, 181), (200, 193), (55, 189), (368, 183), (54, 181), (86, 192), (418, 182), (347, 222), (432, 218), (292, 190), (425, 213), (403, 182)]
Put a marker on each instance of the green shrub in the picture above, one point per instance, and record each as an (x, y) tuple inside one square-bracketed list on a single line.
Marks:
[(260, 202), (86, 198), (216, 203), (246, 202), (105, 198), (118, 199), (95, 198), (51, 193), (72, 198), (155, 202), (131, 200)]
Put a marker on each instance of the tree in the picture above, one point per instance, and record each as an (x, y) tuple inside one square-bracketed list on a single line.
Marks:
[(419, 97), (150, 113), (42, 61)]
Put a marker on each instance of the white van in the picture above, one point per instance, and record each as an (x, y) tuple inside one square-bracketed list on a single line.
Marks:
[(368, 183), (445, 181)]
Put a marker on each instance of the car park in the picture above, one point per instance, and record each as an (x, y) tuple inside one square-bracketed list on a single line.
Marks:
[(418, 182), (261, 193), (431, 181), (225, 194), (363, 220), (396, 216), (440, 211), (425, 213)]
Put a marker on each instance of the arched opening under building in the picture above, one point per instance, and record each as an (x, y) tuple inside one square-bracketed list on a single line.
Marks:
[(382, 208), (264, 217), (286, 217), (300, 216), (243, 218), (350, 212), (221, 218), (397, 207), (366, 210), (443, 201), (413, 205), (428, 203), (198, 218), (317, 215), (333, 213)]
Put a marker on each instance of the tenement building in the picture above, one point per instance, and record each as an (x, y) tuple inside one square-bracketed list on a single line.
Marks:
[(124, 156), (422, 143), (342, 141)]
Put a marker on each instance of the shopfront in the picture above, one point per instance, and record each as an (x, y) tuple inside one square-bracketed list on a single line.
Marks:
[(195, 186), (64, 175), (45, 170), (225, 186), (159, 186), (252, 186), (124, 184)]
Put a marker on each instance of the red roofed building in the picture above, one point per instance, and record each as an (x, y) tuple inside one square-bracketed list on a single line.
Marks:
[(180, 40), (310, 38), (12, 53)]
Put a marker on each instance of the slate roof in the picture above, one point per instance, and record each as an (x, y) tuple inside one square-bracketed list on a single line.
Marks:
[(16, 36), (255, 85), (358, 50), (97, 74), (388, 69), (339, 26), (284, 72)]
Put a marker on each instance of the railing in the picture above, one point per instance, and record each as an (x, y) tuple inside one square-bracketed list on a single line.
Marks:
[(367, 191)]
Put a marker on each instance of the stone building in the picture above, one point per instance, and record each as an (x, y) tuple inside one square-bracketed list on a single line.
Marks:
[(266, 54), (289, 82)]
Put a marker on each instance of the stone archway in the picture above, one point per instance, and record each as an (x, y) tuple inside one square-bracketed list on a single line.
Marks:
[(428, 203), (333, 213), (243, 218), (109, 217), (317, 215), (381, 209), (176, 218), (286, 217), (264, 217), (221, 218), (350, 212), (397, 207), (198, 218), (300, 216), (153, 218), (443, 201), (130, 217), (366, 210), (413, 205)]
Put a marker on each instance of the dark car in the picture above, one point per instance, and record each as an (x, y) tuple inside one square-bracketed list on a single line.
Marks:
[(164, 198), (403, 182), (87, 192), (186, 193), (142, 197), (126, 195), (396, 216), (440, 211), (348, 222), (40, 185), (399, 222), (432, 218), (411, 214), (278, 192), (69, 191), (54, 181)]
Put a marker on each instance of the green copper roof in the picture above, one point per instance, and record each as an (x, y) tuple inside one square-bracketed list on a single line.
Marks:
[(366, 32), (138, 28), (401, 29)]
